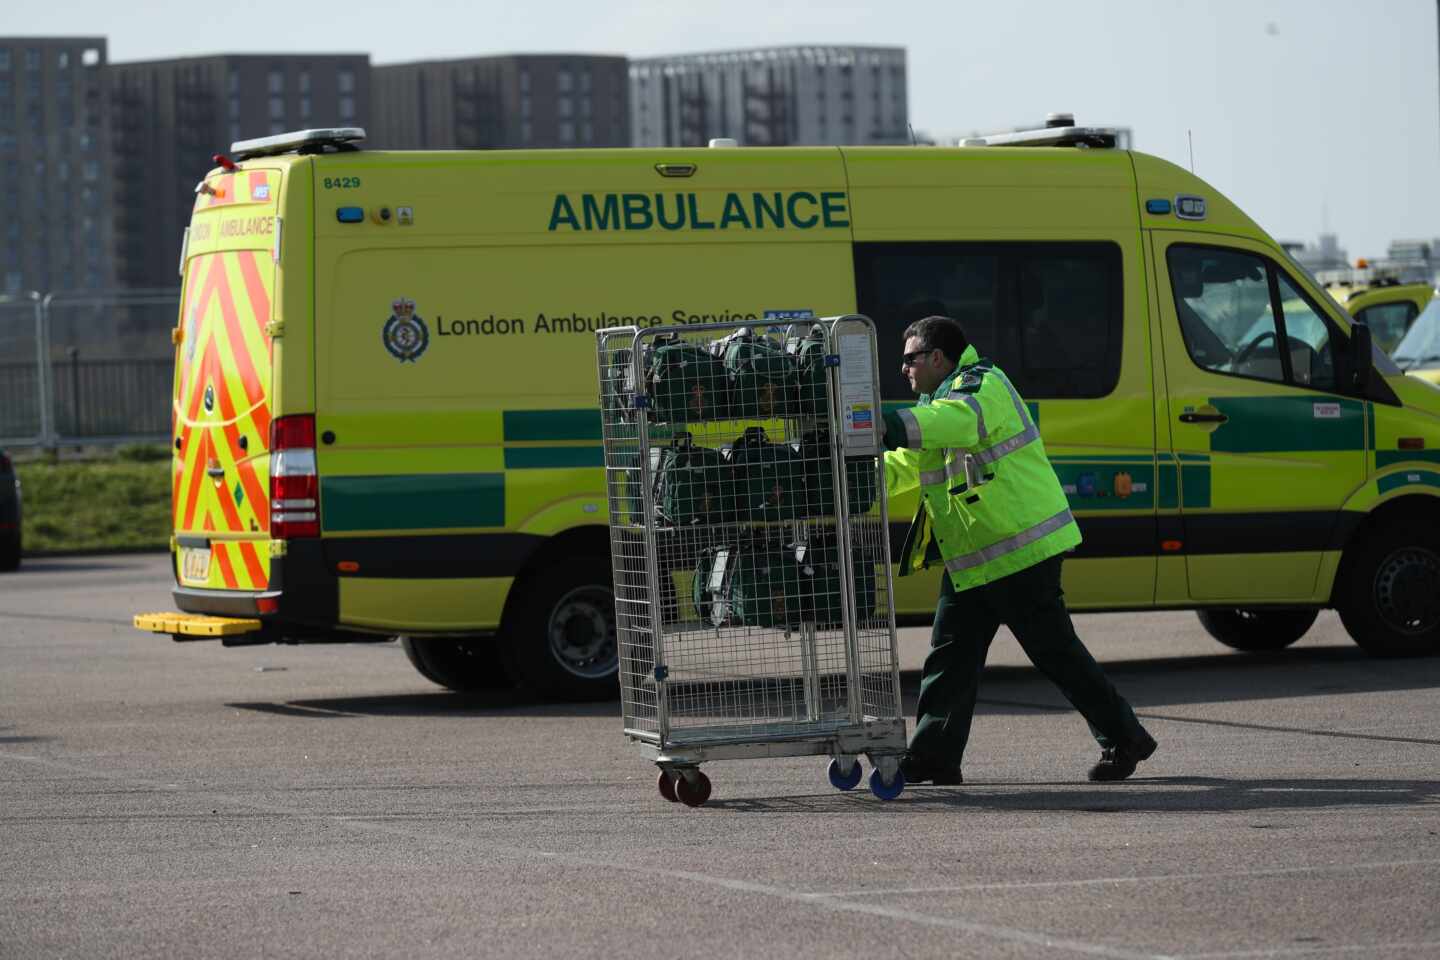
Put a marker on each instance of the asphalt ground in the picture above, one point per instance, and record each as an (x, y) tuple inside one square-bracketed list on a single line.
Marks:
[(190, 800)]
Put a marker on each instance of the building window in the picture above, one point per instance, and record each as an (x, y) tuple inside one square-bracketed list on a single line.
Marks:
[(567, 132), (32, 59), (91, 57), (234, 108), (345, 80), (304, 108), (564, 81), (234, 132), (565, 107), (91, 170), (304, 81), (586, 108), (525, 107), (587, 132), (347, 108), (524, 81), (527, 132), (62, 60), (277, 80), (585, 80), (234, 82), (276, 128), (277, 108), (4, 59)]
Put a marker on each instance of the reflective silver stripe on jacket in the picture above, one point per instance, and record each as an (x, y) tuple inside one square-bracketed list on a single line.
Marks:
[(1010, 545), (912, 429), (973, 402), (1029, 434), (928, 477)]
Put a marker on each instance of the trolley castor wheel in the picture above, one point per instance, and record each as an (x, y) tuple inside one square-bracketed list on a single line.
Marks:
[(883, 790), (843, 780), (692, 792), (666, 786)]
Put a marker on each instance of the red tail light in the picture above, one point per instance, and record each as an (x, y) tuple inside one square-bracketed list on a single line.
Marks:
[(294, 482)]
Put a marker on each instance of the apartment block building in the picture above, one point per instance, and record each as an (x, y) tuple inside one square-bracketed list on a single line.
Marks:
[(171, 116), (517, 101), (55, 164), (774, 96)]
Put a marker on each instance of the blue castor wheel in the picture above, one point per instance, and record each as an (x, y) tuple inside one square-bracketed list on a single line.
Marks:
[(841, 780), (666, 787), (885, 791), (694, 792)]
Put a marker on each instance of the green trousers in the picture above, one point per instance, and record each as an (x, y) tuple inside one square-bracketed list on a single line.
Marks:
[(1032, 605)]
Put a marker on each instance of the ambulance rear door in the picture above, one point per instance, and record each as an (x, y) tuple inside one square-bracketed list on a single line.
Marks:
[(221, 404)]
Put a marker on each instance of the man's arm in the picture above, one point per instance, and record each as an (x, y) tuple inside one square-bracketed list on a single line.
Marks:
[(939, 425)]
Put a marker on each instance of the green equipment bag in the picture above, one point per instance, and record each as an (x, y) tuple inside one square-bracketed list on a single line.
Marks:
[(688, 483), (860, 482), (762, 375), (775, 585), (811, 383), (765, 481), (687, 383)]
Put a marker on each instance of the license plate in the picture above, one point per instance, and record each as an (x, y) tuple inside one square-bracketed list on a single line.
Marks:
[(195, 563)]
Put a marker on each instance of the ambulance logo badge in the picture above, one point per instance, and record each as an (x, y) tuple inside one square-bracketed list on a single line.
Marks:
[(405, 334)]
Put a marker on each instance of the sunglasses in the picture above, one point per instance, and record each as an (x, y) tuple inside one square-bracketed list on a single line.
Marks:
[(911, 359)]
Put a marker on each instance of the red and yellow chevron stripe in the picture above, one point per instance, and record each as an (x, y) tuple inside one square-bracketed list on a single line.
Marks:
[(222, 414)]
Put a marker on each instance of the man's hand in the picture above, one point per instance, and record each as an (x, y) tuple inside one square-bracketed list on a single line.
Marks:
[(895, 436)]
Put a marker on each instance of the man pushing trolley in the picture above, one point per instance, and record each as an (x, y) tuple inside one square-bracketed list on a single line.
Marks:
[(750, 548)]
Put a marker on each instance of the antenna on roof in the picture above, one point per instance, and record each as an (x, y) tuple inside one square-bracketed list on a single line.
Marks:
[(913, 141), (1190, 135)]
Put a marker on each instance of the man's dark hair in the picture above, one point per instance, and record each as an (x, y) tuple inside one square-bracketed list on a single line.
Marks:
[(940, 333)]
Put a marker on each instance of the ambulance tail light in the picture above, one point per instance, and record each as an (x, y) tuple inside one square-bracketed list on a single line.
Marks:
[(294, 482)]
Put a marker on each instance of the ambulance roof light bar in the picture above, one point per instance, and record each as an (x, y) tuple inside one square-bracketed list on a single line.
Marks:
[(1059, 131), (299, 141)]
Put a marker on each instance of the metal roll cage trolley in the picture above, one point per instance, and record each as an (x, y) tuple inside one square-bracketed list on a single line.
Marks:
[(750, 543)]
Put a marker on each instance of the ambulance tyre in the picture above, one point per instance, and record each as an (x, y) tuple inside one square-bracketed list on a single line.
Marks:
[(560, 634), (463, 664), (1256, 630), (1388, 591), (10, 553)]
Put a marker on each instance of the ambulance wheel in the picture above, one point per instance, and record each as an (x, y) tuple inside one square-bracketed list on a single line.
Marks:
[(10, 553), (560, 636), (465, 665), (1256, 630), (1389, 592), (693, 794)]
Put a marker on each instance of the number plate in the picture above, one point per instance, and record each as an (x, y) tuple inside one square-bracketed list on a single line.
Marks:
[(195, 563)]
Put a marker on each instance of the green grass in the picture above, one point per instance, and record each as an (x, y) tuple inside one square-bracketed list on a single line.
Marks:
[(82, 505)]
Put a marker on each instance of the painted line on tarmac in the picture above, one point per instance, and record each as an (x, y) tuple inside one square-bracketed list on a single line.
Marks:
[(829, 903), (1146, 715), (1162, 878), (1409, 947)]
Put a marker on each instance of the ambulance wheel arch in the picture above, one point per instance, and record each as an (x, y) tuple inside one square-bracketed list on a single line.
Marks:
[(1387, 589), (558, 633)]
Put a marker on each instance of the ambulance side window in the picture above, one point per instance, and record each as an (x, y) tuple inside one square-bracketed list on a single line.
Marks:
[(1048, 313), (1242, 316)]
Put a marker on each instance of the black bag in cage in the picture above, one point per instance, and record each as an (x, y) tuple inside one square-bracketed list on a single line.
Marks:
[(762, 375), (808, 354), (860, 483), (687, 383), (766, 481), (688, 483), (774, 585)]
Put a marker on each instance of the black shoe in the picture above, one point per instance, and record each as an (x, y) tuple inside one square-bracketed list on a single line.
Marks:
[(917, 771), (1117, 763)]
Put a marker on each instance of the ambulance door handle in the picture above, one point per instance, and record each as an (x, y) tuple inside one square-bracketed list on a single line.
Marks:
[(1203, 418)]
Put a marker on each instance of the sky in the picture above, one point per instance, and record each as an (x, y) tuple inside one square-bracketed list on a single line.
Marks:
[(1312, 116)]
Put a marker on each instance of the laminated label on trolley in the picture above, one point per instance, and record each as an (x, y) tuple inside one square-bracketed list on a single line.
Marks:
[(857, 395)]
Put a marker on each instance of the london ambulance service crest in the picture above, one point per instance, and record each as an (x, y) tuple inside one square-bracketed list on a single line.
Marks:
[(405, 334)]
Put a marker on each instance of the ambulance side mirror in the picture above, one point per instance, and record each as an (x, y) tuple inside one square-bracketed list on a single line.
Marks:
[(1361, 361)]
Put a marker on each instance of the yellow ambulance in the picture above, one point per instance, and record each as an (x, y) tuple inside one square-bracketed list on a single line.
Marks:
[(1387, 306), (386, 400)]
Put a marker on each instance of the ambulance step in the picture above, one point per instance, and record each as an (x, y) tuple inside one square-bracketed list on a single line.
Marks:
[(195, 626)]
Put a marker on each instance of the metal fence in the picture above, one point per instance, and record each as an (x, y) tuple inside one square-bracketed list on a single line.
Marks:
[(86, 367)]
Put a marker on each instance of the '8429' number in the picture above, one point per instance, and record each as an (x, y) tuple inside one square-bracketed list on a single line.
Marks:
[(341, 183)]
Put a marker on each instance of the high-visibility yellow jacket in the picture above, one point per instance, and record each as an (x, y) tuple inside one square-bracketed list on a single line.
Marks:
[(998, 514)]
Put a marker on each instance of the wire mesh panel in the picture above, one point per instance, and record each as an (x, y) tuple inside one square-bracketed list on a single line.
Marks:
[(749, 534)]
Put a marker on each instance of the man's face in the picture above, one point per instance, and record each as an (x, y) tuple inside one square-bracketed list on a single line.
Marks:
[(925, 369)]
